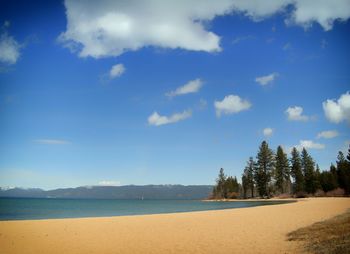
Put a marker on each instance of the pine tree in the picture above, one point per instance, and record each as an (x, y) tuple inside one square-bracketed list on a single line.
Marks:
[(343, 172), (317, 178), (296, 172), (221, 191), (328, 179), (264, 169), (308, 168), (244, 185), (232, 187), (249, 175), (282, 172), (333, 171)]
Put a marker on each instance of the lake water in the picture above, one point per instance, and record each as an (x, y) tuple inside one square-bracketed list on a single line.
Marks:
[(34, 208)]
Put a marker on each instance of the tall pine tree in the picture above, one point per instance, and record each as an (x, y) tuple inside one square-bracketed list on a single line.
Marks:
[(264, 169), (343, 172), (296, 172), (282, 171), (249, 176), (220, 190), (308, 167)]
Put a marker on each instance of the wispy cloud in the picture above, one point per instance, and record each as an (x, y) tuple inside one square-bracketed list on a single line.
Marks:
[(328, 134), (9, 47), (287, 46), (242, 38), (157, 120), (309, 144), (192, 86), (52, 141), (265, 80), (231, 104), (109, 183)]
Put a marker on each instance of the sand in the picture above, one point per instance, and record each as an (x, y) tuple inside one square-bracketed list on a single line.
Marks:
[(245, 230)]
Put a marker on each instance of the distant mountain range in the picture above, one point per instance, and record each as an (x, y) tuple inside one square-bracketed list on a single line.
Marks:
[(115, 192)]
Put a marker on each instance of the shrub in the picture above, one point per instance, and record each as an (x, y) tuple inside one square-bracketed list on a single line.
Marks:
[(338, 192)]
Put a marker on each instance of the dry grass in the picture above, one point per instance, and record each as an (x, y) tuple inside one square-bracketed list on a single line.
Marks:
[(329, 236)]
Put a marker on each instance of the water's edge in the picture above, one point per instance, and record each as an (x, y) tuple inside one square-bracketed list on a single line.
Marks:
[(36, 209)]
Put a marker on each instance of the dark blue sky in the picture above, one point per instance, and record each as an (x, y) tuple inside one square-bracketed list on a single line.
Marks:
[(66, 120)]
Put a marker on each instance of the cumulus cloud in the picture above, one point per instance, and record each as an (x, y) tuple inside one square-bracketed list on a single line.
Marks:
[(327, 134), (157, 120), (110, 28), (52, 141), (264, 80), (9, 47), (337, 111), (109, 183), (268, 132), (324, 12), (231, 104), (116, 71), (309, 144), (192, 86), (296, 114)]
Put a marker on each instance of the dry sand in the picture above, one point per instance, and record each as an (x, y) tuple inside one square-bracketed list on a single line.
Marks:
[(246, 230)]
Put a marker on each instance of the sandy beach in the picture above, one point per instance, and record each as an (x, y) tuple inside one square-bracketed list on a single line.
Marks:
[(245, 230)]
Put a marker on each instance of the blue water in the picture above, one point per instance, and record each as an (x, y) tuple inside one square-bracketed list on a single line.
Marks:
[(35, 208)]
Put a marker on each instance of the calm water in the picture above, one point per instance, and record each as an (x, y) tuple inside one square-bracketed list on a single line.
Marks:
[(30, 208)]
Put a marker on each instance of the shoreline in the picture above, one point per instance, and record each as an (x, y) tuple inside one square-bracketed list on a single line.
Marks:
[(154, 212), (252, 199), (260, 229)]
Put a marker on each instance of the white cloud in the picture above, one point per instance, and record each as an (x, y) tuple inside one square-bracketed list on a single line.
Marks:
[(109, 183), (192, 86), (110, 28), (52, 141), (116, 71), (309, 144), (328, 134), (231, 104), (264, 80), (157, 120), (296, 114), (337, 111), (324, 12), (268, 132), (9, 47)]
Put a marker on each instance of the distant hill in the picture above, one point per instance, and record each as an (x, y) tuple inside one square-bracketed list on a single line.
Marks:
[(115, 192)]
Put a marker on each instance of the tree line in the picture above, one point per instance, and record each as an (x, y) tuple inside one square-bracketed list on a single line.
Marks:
[(273, 173)]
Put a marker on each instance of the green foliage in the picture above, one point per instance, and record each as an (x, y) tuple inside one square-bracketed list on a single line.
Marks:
[(263, 170), (296, 172), (343, 172), (308, 168), (282, 171), (306, 179), (226, 187), (328, 181), (248, 177)]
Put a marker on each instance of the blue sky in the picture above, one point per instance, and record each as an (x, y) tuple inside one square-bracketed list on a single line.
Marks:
[(161, 92)]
